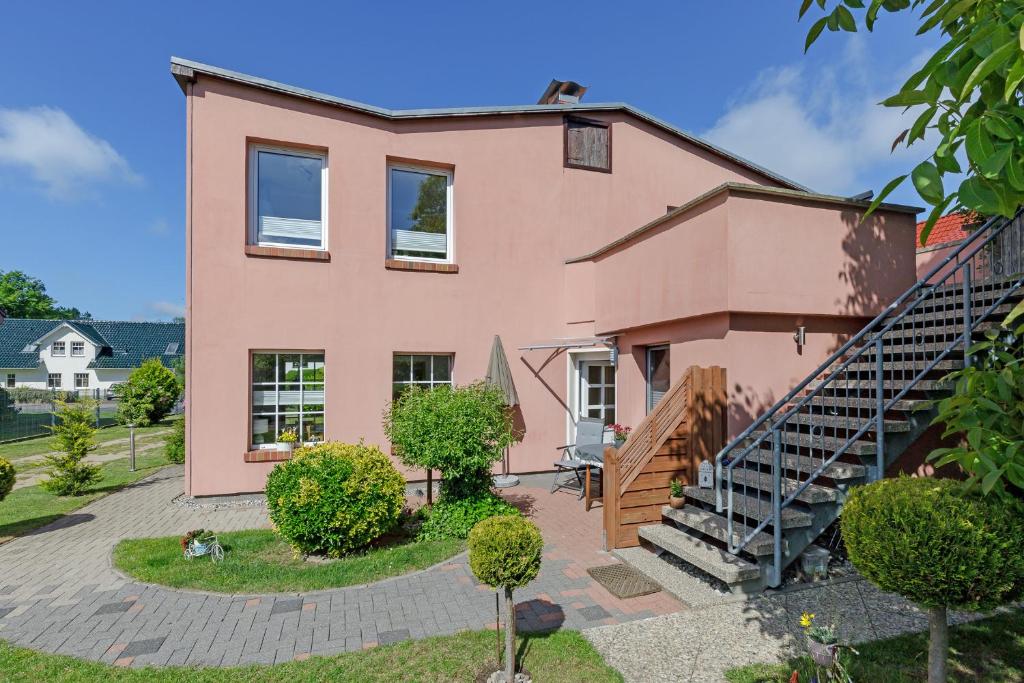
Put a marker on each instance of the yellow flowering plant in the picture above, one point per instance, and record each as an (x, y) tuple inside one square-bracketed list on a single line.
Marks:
[(826, 635)]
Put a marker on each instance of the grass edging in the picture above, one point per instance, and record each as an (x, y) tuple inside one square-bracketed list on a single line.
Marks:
[(556, 657), (258, 562)]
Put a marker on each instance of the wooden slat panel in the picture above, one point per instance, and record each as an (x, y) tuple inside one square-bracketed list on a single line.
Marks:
[(649, 513)]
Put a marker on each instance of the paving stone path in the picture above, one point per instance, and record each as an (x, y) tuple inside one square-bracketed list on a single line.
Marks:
[(61, 594)]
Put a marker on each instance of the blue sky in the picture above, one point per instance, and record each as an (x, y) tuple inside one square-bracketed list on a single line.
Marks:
[(92, 125)]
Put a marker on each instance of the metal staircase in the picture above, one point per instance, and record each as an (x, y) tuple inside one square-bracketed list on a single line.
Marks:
[(783, 481)]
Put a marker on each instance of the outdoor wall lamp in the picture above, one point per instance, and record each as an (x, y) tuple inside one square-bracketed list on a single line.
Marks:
[(801, 336)]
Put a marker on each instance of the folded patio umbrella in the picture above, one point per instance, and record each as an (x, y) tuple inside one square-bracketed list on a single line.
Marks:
[(500, 375)]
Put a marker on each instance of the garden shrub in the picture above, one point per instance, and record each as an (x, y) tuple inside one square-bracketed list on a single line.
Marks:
[(461, 431), (938, 546), (505, 552), (333, 498), (74, 436), (921, 538), (6, 477), (455, 517), (148, 395), (174, 445)]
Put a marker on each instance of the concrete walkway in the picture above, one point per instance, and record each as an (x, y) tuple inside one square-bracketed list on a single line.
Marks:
[(60, 593)]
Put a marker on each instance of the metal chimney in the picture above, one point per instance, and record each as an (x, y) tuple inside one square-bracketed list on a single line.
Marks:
[(562, 92)]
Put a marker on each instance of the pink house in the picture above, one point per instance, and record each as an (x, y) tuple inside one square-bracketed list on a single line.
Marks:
[(338, 252)]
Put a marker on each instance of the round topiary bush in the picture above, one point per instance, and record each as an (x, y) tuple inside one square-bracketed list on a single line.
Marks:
[(333, 498), (940, 548), (504, 552), (6, 478)]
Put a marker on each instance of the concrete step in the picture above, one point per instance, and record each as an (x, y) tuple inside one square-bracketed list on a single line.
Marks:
[(706, 557), (851, 422), (906, 366), (763, 481), (820, 444), (712, 524), (838, 470), (866, 402), (751, 507), (868, 385)]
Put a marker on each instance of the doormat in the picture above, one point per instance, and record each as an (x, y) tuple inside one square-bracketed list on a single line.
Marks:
[(623, 581)]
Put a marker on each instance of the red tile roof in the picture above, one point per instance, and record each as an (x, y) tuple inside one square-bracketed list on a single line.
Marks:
[(949, 228)]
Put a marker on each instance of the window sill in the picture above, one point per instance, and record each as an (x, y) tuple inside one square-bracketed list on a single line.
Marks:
[(287, 253), (420, 266), (267, 455)]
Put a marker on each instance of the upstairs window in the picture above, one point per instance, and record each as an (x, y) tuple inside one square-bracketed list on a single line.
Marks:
[(287, 198), (59, 348), (77, 348), (588, 144), (419, 214)]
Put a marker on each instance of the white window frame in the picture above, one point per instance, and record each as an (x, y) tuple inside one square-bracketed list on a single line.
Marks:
[(12, 380), (80, 345), (449, 218), (648, 371), (49, 380), (63, 349), (81, 375), (253, 189), (429, 383), (276, 384)]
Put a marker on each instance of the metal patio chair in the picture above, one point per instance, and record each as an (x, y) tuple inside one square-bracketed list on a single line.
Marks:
[(578, 456)]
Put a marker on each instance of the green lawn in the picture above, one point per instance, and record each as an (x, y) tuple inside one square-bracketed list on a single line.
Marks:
[(31, 507), (986, 651), (18, 450), (559, 657), (259, 561)]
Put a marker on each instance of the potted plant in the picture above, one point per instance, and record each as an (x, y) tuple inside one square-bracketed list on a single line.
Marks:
[(621, 433), (676, 497), (286, 440), (822, 642), (198, 539)]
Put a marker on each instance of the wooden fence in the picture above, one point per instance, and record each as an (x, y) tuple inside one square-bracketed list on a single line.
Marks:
[(687, 426)]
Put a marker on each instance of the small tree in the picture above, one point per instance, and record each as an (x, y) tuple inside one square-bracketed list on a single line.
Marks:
[(926, 540), (505, 552), (460, 431), (73, 438), (174, 446), (6, 477), (148, 395)]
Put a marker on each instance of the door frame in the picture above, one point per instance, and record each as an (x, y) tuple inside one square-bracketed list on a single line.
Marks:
[(574, 380)]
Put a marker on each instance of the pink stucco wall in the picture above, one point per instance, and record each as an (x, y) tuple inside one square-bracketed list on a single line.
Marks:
[(519, 215)]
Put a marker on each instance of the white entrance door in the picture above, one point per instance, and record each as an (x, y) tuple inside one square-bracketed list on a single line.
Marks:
[(597, 390)]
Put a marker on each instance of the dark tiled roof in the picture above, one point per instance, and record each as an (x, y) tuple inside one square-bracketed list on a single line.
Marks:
[(123, 344)]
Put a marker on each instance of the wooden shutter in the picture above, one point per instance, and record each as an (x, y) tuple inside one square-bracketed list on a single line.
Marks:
[(588, 144)]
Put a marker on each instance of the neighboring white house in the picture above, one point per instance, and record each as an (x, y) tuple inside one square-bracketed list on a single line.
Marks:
[(82, 354)]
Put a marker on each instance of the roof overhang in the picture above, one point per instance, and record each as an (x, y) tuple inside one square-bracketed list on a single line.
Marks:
[(186, 71)]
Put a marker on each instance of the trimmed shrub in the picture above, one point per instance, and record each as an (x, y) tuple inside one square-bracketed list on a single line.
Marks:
[(454, 518), (938, 547), (333, 498), (505, 552), (921, 538), (460, 431), (174, 445), (73, 437), (6, 477), (148, 395)]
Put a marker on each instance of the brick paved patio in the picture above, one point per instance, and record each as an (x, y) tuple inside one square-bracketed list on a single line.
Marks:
[(60, 593)]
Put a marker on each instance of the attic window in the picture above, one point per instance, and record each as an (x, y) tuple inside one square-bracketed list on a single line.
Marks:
[(588, 144), (171, 349)]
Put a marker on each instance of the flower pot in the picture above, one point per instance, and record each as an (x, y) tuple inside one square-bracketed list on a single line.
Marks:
[(285, 447), (676, 503), (821, 653), (199, 548), (619, 442)]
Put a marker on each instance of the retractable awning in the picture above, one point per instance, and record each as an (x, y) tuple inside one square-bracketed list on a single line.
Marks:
[(577, 343)]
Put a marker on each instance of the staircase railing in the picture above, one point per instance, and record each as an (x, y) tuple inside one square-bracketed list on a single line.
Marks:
[(850, 393)]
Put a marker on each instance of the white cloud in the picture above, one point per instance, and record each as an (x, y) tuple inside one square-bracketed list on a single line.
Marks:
[(167, 308), (821, 126), (57, 153)]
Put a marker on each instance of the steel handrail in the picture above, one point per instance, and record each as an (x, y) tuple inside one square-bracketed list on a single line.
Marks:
[(884, 322)]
